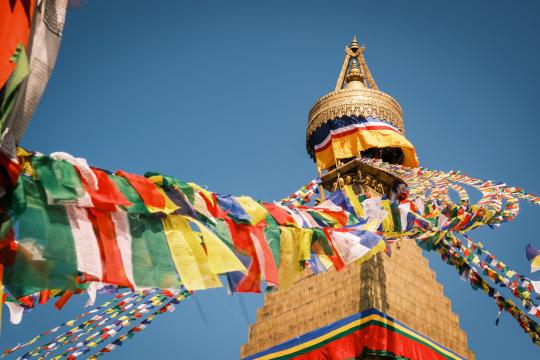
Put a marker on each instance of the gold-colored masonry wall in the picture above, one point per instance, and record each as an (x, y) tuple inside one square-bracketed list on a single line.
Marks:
[(402, 286)]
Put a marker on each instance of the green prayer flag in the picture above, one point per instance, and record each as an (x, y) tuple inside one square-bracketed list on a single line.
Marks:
[(320, 238), (322, 219), (152, 261), (221, 229), (272, 234), (45, 257), (396, 217), (59, 179)]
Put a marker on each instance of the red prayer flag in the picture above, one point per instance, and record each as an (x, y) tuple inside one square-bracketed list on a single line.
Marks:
[(63, 299), (243, 242), (145, 188), (279, 214), (107, 195), (111, 258), (44, 296), (335, 258)]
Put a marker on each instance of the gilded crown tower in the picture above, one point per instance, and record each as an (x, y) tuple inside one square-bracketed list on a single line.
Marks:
[(339, 122)]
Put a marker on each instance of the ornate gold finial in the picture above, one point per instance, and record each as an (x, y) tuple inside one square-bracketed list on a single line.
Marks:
[(354, 44), (354, 75)]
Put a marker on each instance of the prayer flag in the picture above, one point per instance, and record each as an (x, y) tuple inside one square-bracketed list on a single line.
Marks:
[(533, 255), (355, 245), (242, 238), (112, 251), (59, 179), (106, 195), (256, 211), (272, 235), (129, 192), (220, 258), (353, 200), (169, 181), (290, 268), (281, 216), (233, 208), (145, 188), (339, 198), (46, 256), (188, 254)]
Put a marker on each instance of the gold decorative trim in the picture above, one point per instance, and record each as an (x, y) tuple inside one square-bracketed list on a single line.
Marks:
[(355, 102)]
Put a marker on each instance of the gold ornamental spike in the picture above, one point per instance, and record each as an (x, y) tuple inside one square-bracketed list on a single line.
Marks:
[(355, 51)]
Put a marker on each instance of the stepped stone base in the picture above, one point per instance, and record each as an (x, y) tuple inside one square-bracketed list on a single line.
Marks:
[(402, 286)]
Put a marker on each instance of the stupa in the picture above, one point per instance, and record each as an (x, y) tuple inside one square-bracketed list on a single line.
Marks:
[(389, 307)]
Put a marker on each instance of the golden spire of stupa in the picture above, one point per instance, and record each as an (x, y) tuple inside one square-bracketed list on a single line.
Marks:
[(356, 94)]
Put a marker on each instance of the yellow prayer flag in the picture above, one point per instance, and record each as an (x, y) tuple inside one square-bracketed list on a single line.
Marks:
[(25, 162), (326, 261), (357, 206), (289, 262), (256, 211), (156, 179), (388, 221), (207, 194), (169, 208), (200, 206), (304, 243), (188, 255), (220, 258)]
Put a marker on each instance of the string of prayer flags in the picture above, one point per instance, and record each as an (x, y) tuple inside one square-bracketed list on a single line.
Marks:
[(120, 340), (85, 330), (521, 291), (73, 324), (155, 231), (477, 282), (302, 195)]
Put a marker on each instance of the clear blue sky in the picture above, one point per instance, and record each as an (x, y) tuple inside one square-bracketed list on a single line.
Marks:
[(218, 92)]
